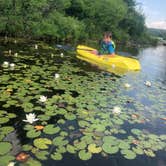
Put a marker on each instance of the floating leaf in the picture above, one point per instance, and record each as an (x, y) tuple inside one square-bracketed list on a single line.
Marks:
[(32, 162), (51, 129), (110, 149), (33, 133), (42, 143), (71, 149), (59, 141), (6, 159), (56, 156), (42, 155), (4, 120), (128, 154), (5, 147), (136, 131), (94, 149), (138, 150), (83, 155), (124, 145), (149, 153)]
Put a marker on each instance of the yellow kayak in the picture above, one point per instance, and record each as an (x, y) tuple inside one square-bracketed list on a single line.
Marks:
[(117, 62)]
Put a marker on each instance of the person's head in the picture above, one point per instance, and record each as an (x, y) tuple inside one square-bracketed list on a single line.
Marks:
[(107, 36)]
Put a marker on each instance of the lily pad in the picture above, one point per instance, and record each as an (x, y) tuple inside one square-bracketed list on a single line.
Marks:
[(51, 129), (107, 148), (56, 156), (94, 149), (33, 133), (71, 149), (5, 147), (83, 155), (128, 154), (6, 159), (42, 155), (42, 143)]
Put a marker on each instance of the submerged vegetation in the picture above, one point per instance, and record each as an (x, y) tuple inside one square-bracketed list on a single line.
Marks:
[(72, 20), (57, 105)]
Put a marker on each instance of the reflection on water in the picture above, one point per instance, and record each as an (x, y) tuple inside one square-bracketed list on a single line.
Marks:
[(153, 61)]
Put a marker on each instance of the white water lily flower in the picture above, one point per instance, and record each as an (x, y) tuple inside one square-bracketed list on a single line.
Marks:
[(36, 46), (127, 85), (43, 99), (116, 110), (148, 83), (12, 65), (56, 76), (30, 118), (62, 54), (6, 64), (11, 164)]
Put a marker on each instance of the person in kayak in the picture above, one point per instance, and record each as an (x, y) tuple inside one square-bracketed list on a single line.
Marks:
[(107, 46)]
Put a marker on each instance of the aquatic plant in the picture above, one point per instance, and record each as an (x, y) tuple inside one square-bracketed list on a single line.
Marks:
[(31, 118)]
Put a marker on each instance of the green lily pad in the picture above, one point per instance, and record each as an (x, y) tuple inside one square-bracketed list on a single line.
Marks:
[(107, 148), (71, 149), (138, 150), (6, 159), (149, 153), (136, 131), (5, 147), (51, 129), (4, 120), (42, 155), (124, 145), (32, 162), (42, 143), (33, 133), (83, 155), (80, 145), (59, 141), (56, 156), (27, 147), (128, 154)]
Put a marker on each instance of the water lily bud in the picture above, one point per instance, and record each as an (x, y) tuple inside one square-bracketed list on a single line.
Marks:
[(10, 52), (16, 54), (62, 55)]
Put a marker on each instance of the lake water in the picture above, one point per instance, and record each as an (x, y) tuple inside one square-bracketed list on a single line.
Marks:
[(80, 125)]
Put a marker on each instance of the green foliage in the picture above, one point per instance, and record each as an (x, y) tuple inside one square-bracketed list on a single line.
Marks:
[(70, 19), (5, 147)]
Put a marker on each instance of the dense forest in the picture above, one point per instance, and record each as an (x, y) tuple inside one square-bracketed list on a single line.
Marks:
[(72, 20)]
